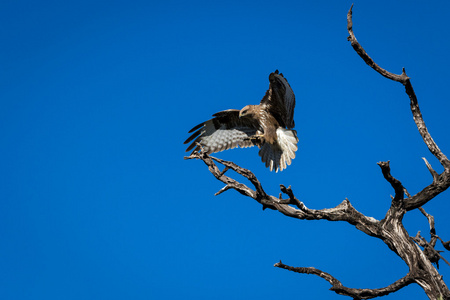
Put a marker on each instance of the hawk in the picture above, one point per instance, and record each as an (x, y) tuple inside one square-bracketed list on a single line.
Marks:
[(267, 125)]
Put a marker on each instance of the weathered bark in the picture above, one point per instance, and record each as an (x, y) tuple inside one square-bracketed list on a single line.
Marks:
[(390, 229), (393, 233)]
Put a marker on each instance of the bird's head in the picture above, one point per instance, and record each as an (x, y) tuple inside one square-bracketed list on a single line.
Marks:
[(247, 110)]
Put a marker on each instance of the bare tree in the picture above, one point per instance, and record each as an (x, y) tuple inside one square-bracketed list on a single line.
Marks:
[(418, 253)]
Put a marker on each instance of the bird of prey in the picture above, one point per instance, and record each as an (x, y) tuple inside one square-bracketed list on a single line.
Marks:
[(267, 125)]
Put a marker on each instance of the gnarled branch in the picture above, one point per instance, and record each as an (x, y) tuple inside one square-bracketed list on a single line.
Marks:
[(340, 289), (433, 288), (342, 212), (441, 182), (390, 230)]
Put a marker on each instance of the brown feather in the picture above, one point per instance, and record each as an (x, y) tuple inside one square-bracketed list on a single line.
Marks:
[(225, 131), (280, 100), (267, 125)]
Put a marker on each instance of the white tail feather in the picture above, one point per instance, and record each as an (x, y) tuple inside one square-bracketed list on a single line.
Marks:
[(278, 156)]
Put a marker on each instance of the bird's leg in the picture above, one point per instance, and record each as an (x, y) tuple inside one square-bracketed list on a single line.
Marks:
[(257, 139), (199, 147)]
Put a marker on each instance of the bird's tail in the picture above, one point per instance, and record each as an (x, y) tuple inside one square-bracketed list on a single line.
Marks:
[(278, 156)]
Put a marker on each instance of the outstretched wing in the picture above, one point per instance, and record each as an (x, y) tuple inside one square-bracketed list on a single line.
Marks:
[(225, 131), (280, 100)]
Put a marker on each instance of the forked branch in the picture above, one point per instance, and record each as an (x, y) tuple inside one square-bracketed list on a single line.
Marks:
[(390, 230), (417, 264), (342, 212)]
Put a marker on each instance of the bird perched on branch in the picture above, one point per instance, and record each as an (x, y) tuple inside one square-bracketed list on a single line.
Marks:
[(267, 125)]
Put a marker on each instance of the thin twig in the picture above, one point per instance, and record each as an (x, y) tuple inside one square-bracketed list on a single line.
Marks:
[(430, 168), (430, 220), (432, 254)]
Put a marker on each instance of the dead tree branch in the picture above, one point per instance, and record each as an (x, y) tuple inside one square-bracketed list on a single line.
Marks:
[(440, 182), (343, 212), (429, 247), (418, 262), (405, 80), (340, 289), (390, 229), (396, 184)]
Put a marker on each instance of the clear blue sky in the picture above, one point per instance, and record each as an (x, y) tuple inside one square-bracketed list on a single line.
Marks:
[(97, 98)]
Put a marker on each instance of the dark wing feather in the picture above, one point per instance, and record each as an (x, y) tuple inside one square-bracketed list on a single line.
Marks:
[(280, 100), (225, 131)]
